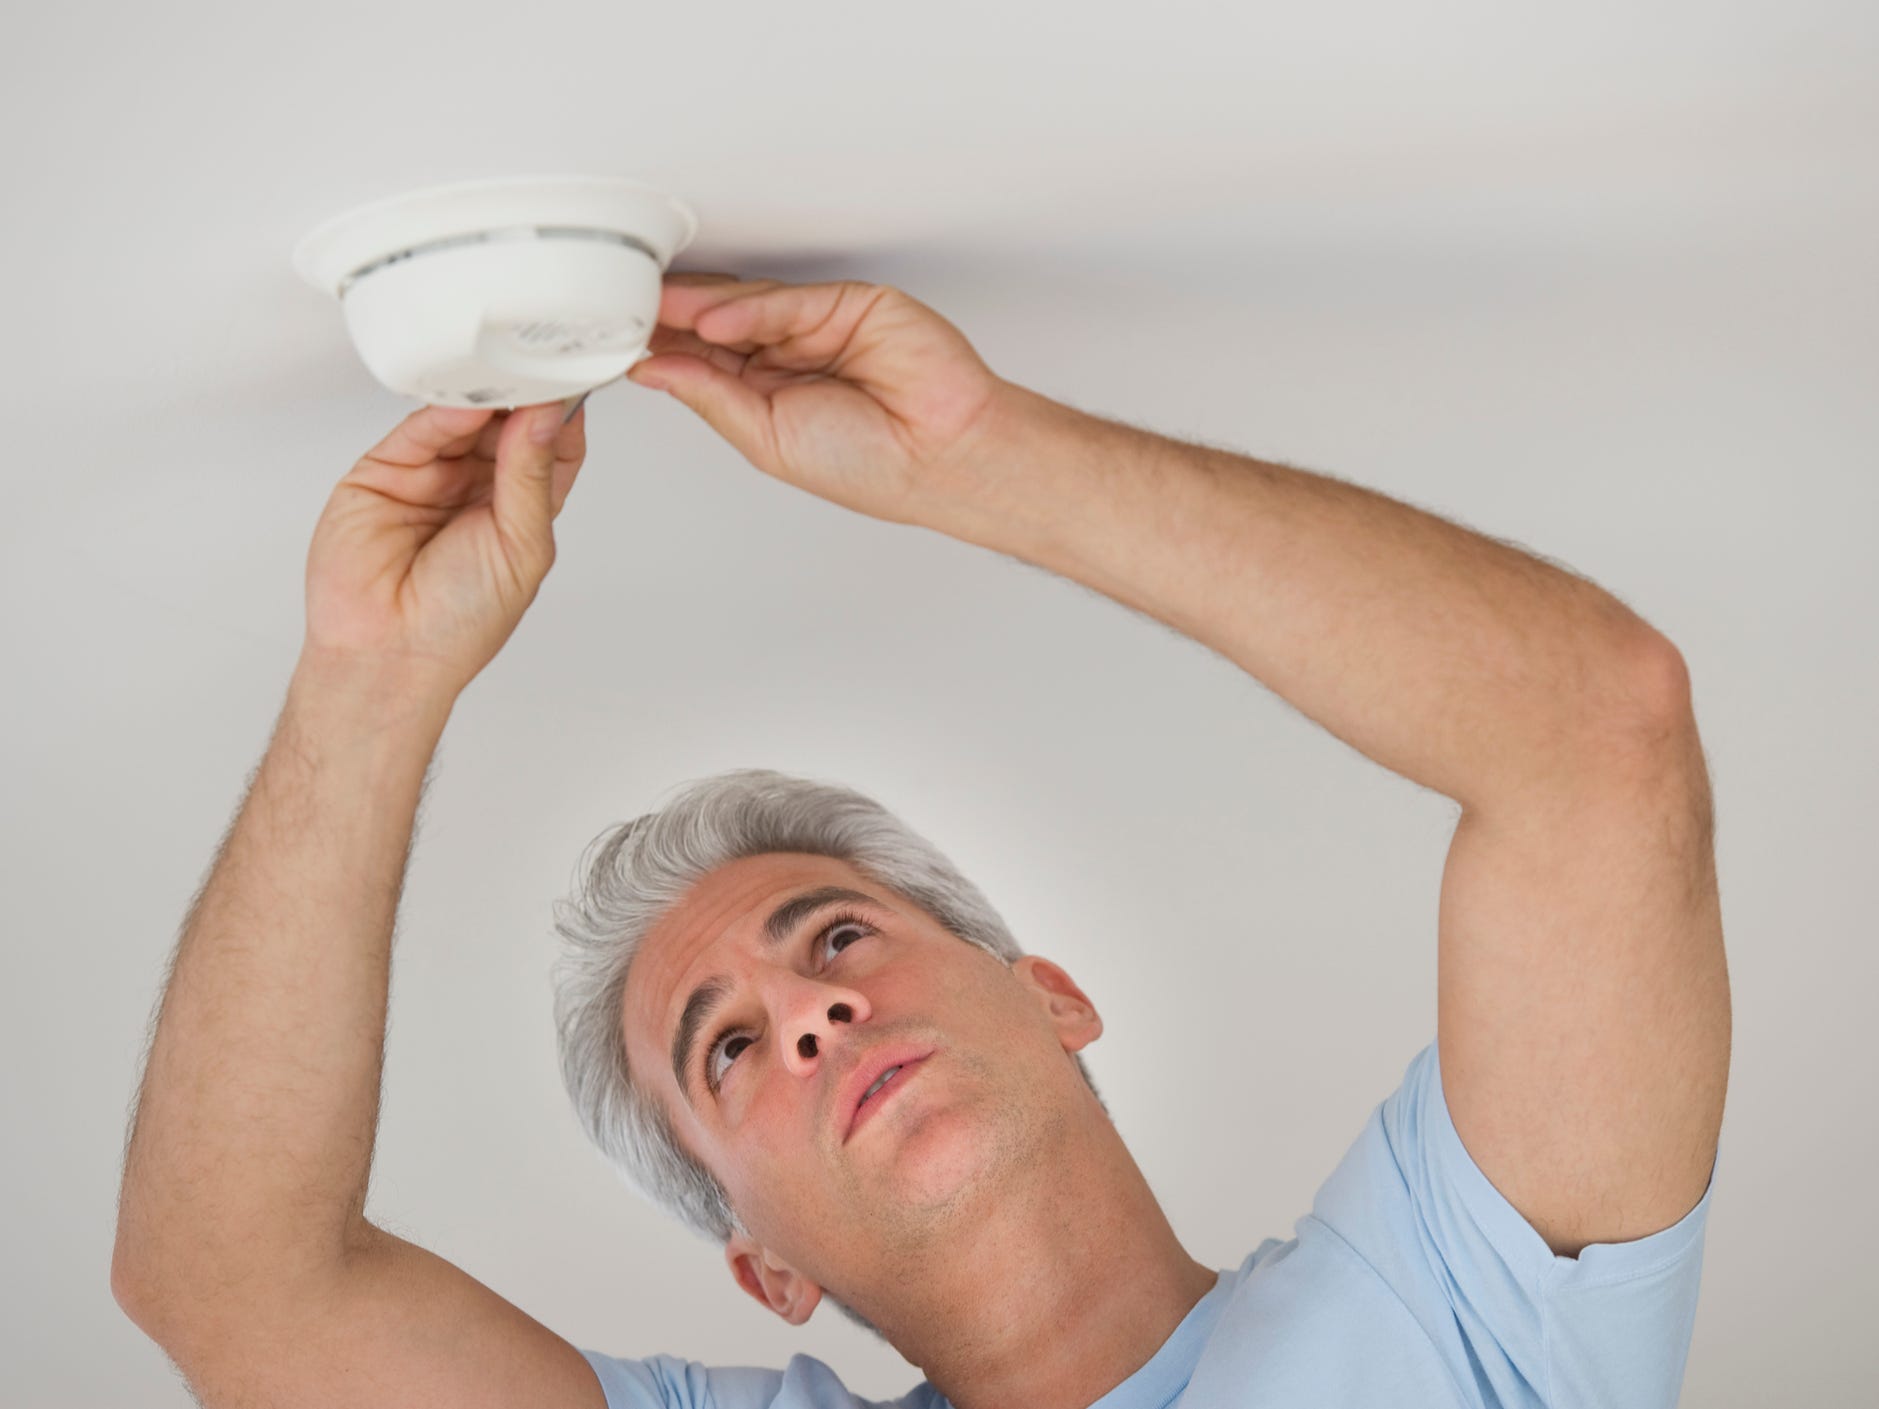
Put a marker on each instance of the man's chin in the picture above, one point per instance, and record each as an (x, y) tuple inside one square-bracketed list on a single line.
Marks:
[(937, 1159)]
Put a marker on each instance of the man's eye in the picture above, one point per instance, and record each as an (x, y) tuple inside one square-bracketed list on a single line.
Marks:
[(838, 931), (728, 1051)]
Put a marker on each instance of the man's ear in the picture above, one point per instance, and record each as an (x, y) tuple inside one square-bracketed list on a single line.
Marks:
[(775, 1284), (1075, 1017)]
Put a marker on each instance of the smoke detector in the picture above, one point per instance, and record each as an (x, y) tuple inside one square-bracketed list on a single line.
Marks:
[(501, 293)]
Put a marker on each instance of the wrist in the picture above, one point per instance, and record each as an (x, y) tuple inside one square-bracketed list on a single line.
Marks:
[(376, 689), (1001, 490), (1027, 490)]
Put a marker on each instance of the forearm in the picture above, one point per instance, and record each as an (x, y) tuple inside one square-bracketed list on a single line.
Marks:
[(253, 1135), (1450, 658)]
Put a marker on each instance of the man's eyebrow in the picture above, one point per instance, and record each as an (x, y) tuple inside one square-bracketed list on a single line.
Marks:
[(710, 995)]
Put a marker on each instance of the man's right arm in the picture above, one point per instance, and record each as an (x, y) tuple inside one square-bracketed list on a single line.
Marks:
[(242, 1245)]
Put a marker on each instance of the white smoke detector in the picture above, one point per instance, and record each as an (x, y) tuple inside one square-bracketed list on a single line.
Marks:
[(501, 293)]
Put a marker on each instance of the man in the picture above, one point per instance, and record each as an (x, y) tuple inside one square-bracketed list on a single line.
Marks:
[(1519, 1224)]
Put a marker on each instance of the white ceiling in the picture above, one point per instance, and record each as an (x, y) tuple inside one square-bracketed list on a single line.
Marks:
[(1597, 278), (162, 165)]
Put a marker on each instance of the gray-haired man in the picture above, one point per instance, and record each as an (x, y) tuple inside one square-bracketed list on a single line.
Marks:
[(829, 1055)]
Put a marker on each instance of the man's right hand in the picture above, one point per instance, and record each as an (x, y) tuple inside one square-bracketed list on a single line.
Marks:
[(434, 545)]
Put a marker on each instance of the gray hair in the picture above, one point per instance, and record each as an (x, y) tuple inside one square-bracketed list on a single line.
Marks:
[(633, 873)]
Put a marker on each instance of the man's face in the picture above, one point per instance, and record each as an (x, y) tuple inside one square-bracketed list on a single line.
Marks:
[(763, 1107)]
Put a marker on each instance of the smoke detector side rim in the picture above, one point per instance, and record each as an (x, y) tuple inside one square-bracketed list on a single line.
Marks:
[(332, 253)]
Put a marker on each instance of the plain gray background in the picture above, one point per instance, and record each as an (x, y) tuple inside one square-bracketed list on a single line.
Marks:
[(1598, 279)]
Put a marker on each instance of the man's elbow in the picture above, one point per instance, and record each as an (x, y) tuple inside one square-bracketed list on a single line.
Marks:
[(1647, 720), (131, 1291), (143, 1286), (1663, 687)]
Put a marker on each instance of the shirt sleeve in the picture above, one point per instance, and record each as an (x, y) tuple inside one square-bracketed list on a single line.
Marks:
[(1609, 1328), (672, 1382), (669, 1382)]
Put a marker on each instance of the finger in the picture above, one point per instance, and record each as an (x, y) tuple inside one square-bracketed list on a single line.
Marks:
[(727, 404), (801, 327), (681, 302), (570, 454), (523, 500), (486, 443), (669, 340), (431, 433)]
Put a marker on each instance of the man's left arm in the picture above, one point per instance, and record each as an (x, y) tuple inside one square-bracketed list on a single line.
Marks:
[(1583, 1014)]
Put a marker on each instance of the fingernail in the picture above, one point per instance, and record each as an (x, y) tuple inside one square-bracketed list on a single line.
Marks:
[(646, 379), (579, 401)]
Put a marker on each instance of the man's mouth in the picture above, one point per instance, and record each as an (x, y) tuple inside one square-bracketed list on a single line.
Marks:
[(882, 1086), (882, 1081)]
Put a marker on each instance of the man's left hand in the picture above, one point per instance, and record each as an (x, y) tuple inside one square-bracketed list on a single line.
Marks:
[(853, 391)]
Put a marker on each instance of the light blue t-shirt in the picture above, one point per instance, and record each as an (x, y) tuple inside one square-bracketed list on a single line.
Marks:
[(1412, 1282)]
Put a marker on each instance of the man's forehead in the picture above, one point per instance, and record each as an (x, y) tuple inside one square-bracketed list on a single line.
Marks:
[(722, 912)]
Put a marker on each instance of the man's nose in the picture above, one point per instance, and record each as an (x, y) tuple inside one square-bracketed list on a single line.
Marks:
[(816, 1011)]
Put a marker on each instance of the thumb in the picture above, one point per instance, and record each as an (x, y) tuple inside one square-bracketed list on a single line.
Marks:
[(730, 408), (523, 501)]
